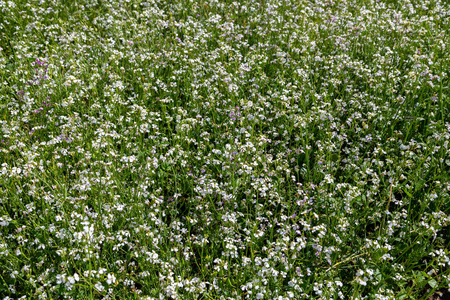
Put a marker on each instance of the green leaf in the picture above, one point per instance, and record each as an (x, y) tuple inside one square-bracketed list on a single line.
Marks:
[(378, 275), (420, 277), (433, 283), (419, 185), (407, 193)]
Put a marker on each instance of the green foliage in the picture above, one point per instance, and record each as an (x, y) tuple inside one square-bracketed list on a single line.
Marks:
[(224, 150)]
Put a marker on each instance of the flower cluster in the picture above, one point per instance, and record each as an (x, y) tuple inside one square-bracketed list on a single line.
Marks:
[(224, 150)]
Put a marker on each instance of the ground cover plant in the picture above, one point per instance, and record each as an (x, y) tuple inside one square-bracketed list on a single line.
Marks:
[(224, 150)]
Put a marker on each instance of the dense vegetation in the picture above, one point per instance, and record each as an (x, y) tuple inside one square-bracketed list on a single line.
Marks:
[(294, 149)]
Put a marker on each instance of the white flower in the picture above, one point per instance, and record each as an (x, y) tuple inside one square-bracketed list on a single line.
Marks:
[(111, 279), (99, 287)]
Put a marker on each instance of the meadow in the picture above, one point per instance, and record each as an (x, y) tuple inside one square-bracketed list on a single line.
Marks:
[(253, 149)]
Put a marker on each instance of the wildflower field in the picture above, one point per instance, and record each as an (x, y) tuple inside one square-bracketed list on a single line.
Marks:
[(255, 149)]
